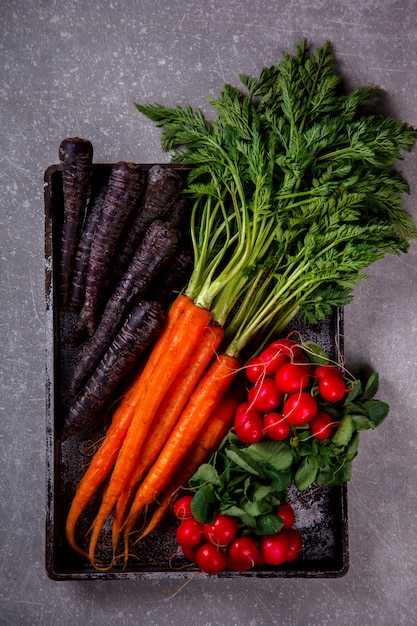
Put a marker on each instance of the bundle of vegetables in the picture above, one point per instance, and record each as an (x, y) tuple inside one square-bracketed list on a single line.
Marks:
[(295, 194)]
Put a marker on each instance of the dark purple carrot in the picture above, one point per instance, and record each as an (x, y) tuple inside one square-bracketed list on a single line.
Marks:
[(173, 278), (157, 247), (137, 333), (76, 156), (82, 257), (123, 191), (179, 211), (163, 186)]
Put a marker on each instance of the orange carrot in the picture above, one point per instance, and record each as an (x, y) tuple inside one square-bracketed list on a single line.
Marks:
[(166, 417), (209, 439), (177, 309), (205, 398), (105, 458), (100, 466), (185, 336)]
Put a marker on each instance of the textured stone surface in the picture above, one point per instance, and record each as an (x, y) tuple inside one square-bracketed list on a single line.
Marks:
[(77, 68)]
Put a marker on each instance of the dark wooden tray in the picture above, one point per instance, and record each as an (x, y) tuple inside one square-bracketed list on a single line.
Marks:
[(321, 513)]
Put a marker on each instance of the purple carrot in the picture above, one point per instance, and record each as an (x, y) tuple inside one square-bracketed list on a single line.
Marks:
[(162, 188), (137, 333), (82, 257), (173, 278), (157, 248), (123, 191), (76, 156), (178, 211)]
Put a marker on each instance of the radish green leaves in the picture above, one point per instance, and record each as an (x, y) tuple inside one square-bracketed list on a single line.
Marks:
[(249, 481)]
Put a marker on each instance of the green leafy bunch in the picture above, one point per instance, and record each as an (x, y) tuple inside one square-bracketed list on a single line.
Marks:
[(295, 193), (246, 482), (250, 481), (329, 462)]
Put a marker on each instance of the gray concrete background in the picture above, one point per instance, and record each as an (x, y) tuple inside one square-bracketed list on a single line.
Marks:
[(76, 68)]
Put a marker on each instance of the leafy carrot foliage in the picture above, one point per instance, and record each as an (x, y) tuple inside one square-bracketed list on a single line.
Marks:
[(295, 193)]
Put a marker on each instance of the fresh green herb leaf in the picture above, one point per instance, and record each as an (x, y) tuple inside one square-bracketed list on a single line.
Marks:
[(204, 504), (240, 514), (354, 393), (276, 453), (206, 473), (344, 431), (371, 387), (352, 450), (377, 411), (268, 524), (279, 480), (315, 353), (244, 460), (306, 473), (336, 476), (361, 422)]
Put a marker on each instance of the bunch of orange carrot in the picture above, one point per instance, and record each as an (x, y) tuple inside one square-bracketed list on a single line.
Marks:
[(171, 413)]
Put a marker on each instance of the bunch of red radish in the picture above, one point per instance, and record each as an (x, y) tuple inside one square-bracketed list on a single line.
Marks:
[(285, 392), (220, 545)]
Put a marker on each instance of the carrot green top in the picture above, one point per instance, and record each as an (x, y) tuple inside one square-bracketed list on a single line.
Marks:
[(295, 193)]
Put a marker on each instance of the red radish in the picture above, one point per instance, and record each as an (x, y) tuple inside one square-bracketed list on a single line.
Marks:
[(321, 371), (243, 553), (295, 541), (242, 409), (275, 548), (321, 425), (182, 507), (259, 561), (222, 531), (276, 427), (300, 408), (292, 377), (332, 388), (248, 424), (307, 366), (286, 513), (255, 368), (189, 533), (210, 559), (265, 396), (237, 566), (288, 347), (273, 358), (189, 553)]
